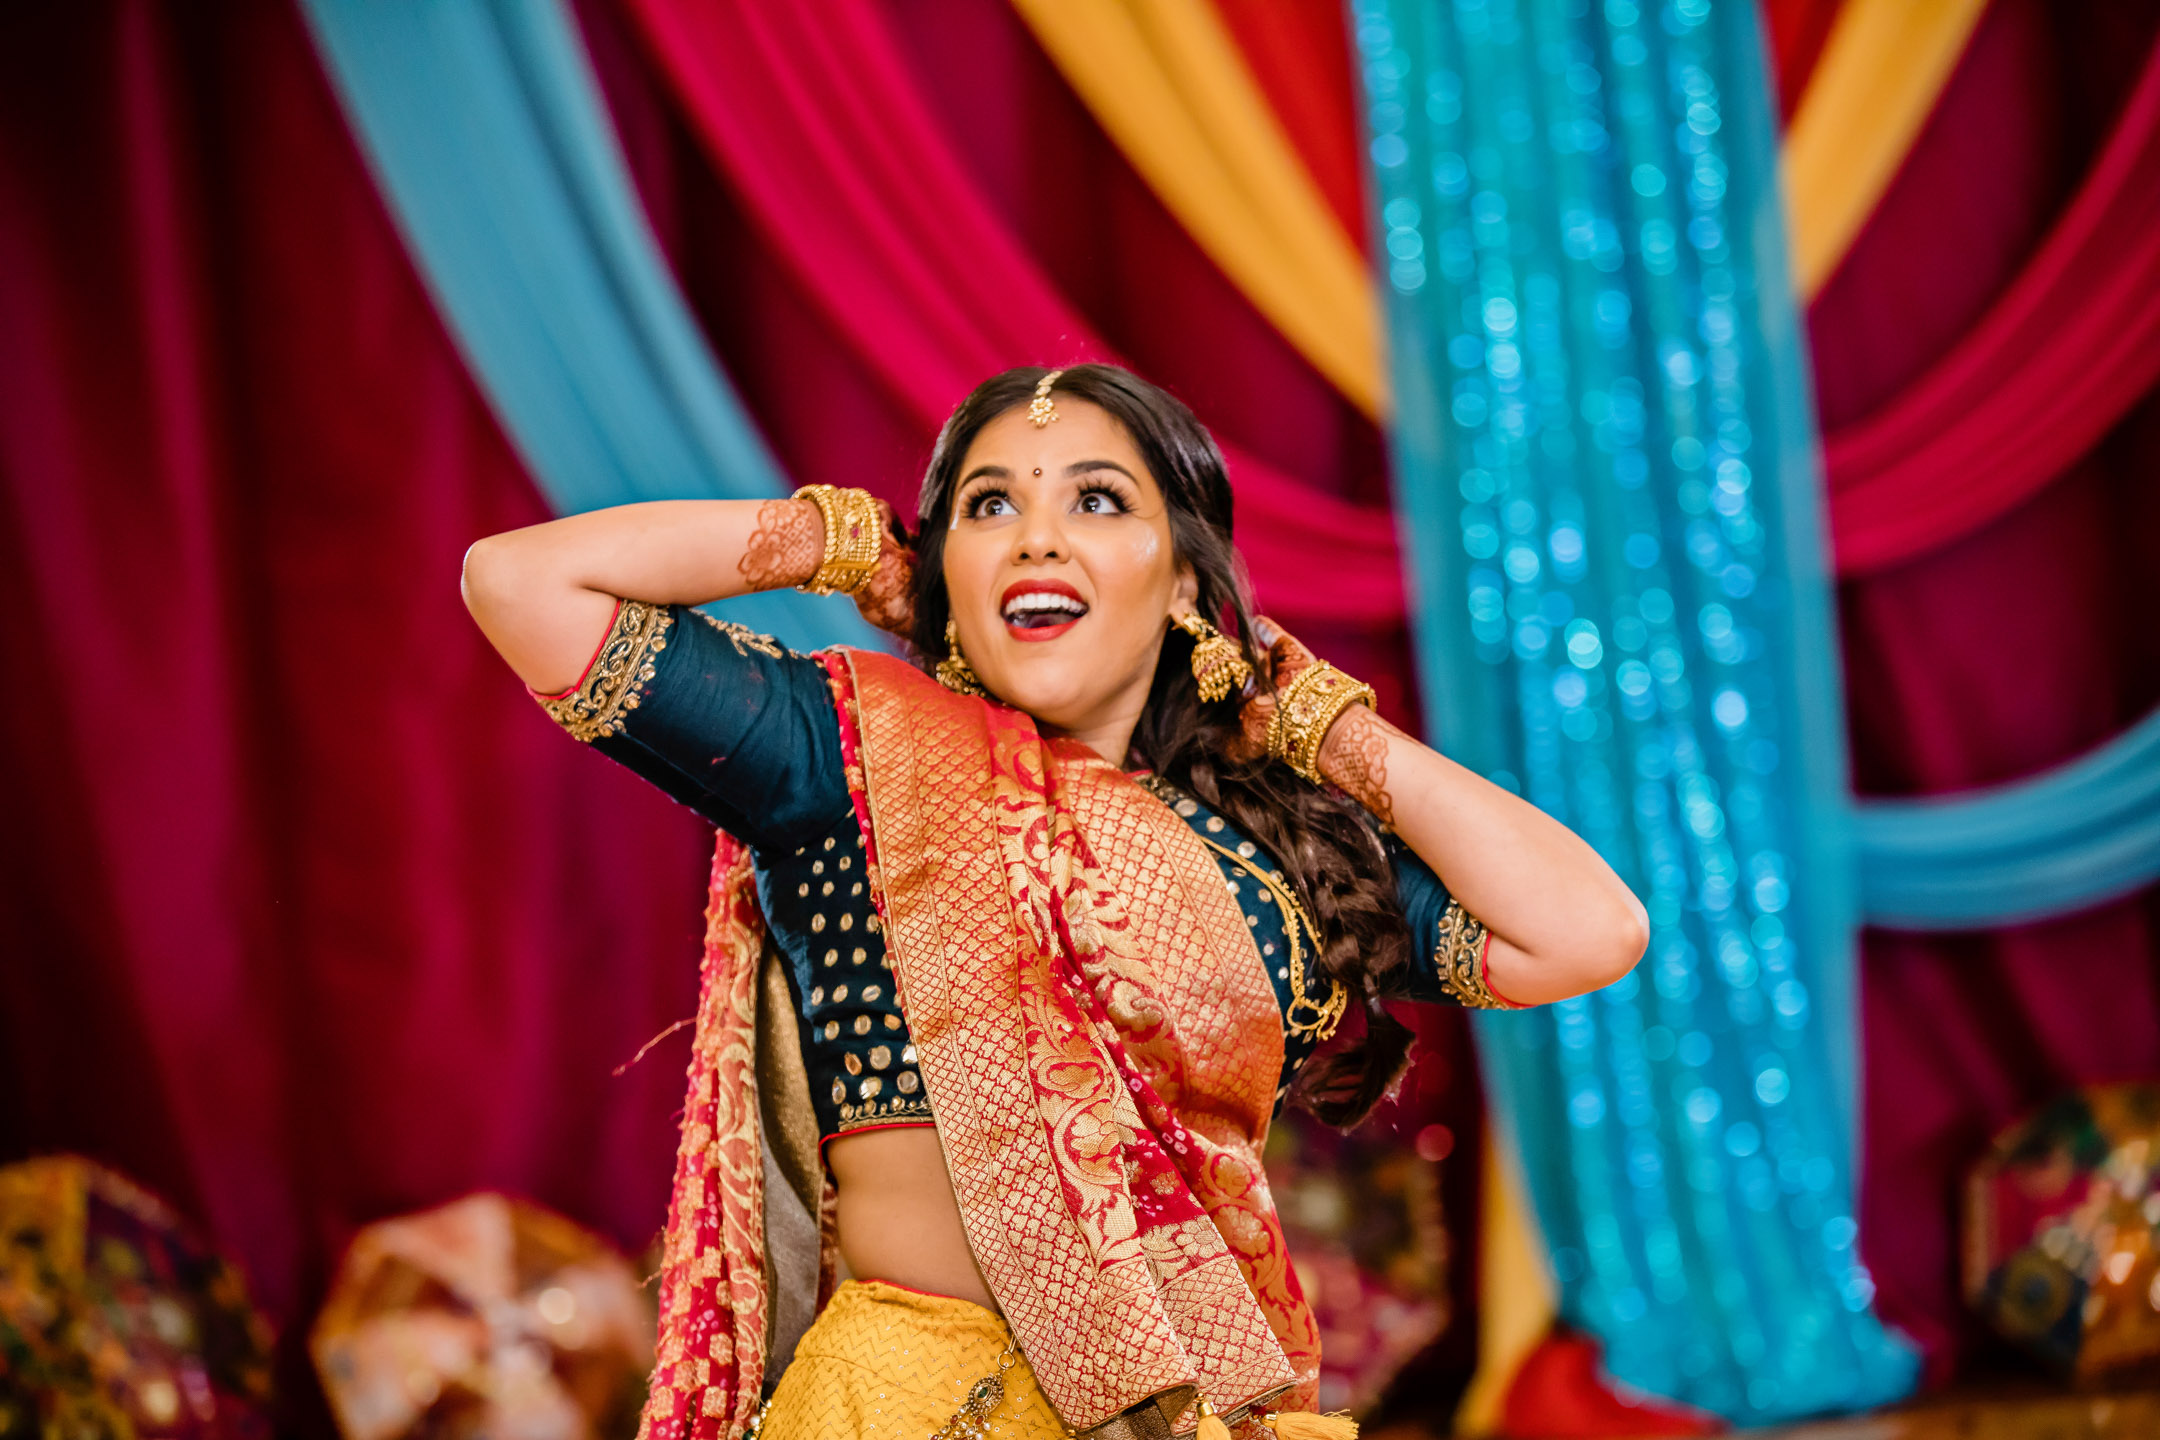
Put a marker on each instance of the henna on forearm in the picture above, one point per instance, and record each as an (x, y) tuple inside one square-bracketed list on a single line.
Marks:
[(1354, 759), (787, 546)]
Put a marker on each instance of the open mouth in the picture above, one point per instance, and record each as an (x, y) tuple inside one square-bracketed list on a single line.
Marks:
[(1041, 609)]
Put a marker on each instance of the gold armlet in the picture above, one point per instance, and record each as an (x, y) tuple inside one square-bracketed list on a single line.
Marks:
[(1305, 708), (853, 539)]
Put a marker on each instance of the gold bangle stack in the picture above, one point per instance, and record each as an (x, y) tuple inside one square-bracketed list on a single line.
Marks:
[(853, 539), (1305, 708)]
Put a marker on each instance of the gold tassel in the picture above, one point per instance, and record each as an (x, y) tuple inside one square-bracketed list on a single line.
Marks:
[(1305, 1425), (1217, 662), (1211, 1426)]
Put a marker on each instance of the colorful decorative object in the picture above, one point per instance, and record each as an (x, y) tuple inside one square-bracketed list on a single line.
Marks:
[(1603, 452), (2062, 1235), (485, 1317), (115, 1322)]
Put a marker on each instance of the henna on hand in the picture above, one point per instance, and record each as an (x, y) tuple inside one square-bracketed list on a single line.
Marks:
[(1285, 657), (887, 599), (787, 547), (1353, 758)]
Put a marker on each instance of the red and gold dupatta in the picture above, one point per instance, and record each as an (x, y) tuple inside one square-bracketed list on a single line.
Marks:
[(1101, 1047)]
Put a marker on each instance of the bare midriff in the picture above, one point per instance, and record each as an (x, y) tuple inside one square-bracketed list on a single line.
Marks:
[(898, 1219)]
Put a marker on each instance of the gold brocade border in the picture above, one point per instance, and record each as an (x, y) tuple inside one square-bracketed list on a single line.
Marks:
[(977, 865), (1459, 957), (620, 670)]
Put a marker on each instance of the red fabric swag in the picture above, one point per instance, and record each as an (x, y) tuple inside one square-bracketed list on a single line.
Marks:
[(815, 116), (309, 916), (2064, 352)]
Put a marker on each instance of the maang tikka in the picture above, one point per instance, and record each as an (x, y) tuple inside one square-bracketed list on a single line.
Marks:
[(1042, 409), (1218, 665)]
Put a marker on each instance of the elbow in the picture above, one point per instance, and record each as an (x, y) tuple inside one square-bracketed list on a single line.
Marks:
[(483, 580), (1629, 937)]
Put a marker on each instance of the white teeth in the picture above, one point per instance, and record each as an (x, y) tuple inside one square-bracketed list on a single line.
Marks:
[(1043, 602)]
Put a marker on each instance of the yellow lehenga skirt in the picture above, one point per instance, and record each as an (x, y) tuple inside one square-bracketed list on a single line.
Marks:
[(887, 1362)]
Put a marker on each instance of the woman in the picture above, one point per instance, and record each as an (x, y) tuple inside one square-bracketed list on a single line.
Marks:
[(1128, 872)]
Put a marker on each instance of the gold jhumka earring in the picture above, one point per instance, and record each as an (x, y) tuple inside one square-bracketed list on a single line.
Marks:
[(1042, 409), (1218, 665), (954, 672)]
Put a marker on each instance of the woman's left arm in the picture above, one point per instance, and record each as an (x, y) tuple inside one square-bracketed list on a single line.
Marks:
[(1561, 922)]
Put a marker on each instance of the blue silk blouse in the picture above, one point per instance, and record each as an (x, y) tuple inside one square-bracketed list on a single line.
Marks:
[(744, 731)]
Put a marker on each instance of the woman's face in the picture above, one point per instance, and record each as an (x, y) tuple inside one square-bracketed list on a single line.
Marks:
[(1061, 572)]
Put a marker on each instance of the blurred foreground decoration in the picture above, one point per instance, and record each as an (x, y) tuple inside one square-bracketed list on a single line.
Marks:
[(487, 1316), (2062, 1235), (115, 1323), (1362, 1215)]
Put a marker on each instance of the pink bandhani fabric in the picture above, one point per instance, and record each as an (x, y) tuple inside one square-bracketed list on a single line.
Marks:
[(812, 112), (711, 1357)]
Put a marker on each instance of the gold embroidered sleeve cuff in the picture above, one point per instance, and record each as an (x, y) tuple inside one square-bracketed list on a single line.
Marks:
[(1304, 710), (618, 675), (853, 539), (1459, 956)]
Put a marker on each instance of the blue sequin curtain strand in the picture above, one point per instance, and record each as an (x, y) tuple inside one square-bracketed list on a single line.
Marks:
[(1607, 482)]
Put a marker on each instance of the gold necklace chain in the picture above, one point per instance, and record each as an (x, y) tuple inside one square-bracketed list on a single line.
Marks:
[(1325, 1015)]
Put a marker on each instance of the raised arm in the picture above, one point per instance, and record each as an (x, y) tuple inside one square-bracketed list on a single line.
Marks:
[(544, 595), (1562, 922)]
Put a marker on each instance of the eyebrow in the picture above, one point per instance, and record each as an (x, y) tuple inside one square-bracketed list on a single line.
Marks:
[(1082, 467), (1078, 467)]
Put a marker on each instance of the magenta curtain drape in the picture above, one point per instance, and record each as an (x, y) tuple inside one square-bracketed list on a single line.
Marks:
[(814, 115), (2065, 351), (309, 916)]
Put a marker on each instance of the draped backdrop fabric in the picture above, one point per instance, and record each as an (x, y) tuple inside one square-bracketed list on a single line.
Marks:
[(1603, 451), (1169, 82), (311, 917), (813, 116), (2054, 365), (488, 130), (2026, 644)]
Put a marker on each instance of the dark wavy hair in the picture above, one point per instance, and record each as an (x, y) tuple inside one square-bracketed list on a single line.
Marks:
[(1324, 840)]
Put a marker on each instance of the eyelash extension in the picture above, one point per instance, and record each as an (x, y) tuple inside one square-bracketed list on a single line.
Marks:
[(972, 509), (1105, 487)]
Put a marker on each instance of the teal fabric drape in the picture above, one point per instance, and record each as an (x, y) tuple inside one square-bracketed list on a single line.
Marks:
[(2074, 836), (1608, 485), (486, 128)]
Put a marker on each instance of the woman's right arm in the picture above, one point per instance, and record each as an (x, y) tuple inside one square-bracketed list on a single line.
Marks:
[(545, 595)]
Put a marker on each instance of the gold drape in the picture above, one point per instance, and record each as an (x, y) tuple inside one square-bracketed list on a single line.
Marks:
[(1881, 70), (1167, 82)]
